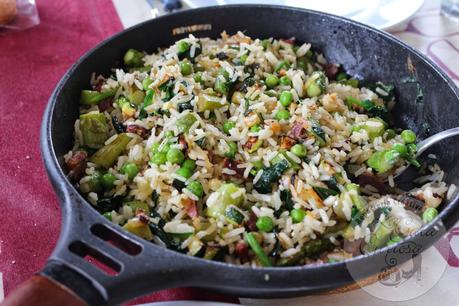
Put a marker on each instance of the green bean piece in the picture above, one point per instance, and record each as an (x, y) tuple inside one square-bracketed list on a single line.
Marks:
[(255, 128), (223, 199), (358, 201), (408, 136), (232, 149), (380, 235), (208, 102), (107, 155), (342, 76), (383, 161), (138, 205), (316, 84), (227, 126), (265, 224), (429, 214), (353, 83), (184, 123), (146, 83), (94, 128), (133, 58), (258, 250), (136, 96), (92, 97)]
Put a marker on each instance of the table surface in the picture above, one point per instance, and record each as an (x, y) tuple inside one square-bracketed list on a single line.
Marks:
[(27, 197)]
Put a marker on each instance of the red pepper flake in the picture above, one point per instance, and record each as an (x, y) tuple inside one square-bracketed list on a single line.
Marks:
[(287, 143), (76, 165), (190, 207), (182, 142), (232, 164), (330, 70), (251, 223), (372, 180), (298, 130), (241, 250), (142, 217), (250, 142), (135, 129), (290, 41), (105, 104)]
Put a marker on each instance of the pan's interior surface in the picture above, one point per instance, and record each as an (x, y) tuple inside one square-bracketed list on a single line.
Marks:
[(363, 52)]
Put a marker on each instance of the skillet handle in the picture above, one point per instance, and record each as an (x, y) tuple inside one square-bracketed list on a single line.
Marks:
[(41, 290)]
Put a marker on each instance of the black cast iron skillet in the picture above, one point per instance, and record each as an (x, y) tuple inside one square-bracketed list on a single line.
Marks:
[(141, 266)]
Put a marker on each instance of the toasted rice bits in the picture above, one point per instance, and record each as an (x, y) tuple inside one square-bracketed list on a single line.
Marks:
[(254, 152)]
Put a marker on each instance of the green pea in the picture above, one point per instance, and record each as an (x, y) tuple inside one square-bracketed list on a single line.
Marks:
[(154, 148), (232, 149), (108, 215), (169, 134), (265, 224), (107, 180), (297, 215), (243, 58), (314, 90), (265, 43), (411, 148), (286, 98), (198, 77), (341, 77), (130, 169), (299, 150), (391, 156), (186, 68), (285, 81), (159, 158), (400, 148), (227, 126), (390, 133), (95, 184), (146, 82), (221, 86), (182, 46), (408, 136), (196, 188), (429, 214), (255, 128), (189, 164), (282, 115), (175, 156), (353, 83), (394, 240), (271, 81), (184, 172)]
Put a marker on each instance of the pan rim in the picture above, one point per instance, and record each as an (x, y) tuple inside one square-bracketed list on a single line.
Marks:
[(62, 184)]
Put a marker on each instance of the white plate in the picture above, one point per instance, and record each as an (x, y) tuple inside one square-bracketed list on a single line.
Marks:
[(188, 303), (381, 14)]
